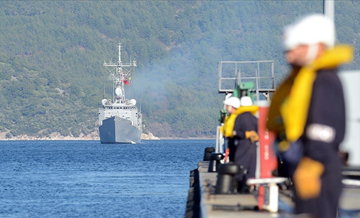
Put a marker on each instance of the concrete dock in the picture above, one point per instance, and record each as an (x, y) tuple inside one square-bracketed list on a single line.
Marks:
[(203, 202)]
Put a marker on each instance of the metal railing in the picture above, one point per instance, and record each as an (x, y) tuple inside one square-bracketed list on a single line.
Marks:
[(231, 73)]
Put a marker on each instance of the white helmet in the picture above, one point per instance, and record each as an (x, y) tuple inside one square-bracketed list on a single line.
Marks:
[(310, 30), (233, 101), (245, 101)]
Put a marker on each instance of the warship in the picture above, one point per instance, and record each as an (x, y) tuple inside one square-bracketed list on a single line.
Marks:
[(119, 118)]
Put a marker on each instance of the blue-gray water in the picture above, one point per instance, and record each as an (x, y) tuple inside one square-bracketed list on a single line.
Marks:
[(88, 179)]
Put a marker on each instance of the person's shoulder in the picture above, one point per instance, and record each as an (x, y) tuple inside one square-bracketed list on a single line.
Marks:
[(245, 115), (327, 77), (327, 74)]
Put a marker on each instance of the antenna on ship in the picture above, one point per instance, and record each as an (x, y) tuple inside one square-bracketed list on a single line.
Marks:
[(121, 76), (119, 45), (140, 97)]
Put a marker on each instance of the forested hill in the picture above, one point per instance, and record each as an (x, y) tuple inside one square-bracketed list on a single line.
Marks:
[(52, 77)]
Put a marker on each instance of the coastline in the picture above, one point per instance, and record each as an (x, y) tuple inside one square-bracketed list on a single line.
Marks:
[(92, 138), (57, 136)]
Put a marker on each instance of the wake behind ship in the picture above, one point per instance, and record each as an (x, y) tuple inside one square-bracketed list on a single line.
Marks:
[(120, 119)]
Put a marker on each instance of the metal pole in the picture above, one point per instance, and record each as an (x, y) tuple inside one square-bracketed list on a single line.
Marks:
[(257, 82), (236, 76), (219, 74), (329, 8), (272, 74), (217, 139), (239, 79)]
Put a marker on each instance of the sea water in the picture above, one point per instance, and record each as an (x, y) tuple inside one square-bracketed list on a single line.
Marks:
[(89, 179)]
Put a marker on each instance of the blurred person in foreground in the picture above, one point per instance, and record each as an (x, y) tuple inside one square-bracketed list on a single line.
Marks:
[(308, 110), (241, 129)]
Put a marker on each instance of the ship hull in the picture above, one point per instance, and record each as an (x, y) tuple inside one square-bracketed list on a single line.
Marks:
[(115, 130)]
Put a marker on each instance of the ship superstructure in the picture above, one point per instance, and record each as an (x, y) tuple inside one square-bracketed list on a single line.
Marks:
[(120, 119)]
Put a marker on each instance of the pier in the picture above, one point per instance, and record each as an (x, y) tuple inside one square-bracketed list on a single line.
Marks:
[(203, 202)]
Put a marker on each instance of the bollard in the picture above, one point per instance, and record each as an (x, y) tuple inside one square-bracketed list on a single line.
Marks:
[(226, 182), (215, 159), (208, 152)]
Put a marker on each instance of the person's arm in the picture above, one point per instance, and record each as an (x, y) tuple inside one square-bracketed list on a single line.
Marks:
[(241, 123), (238, 132), (326, 119)]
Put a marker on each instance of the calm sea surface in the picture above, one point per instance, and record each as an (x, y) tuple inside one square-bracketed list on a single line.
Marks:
[(88, 179)]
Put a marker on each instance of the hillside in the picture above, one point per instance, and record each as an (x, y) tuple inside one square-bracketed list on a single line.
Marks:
[(52, 77)]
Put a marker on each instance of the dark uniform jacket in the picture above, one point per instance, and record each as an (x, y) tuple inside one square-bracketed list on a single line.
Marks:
[(242, 151), (327, 108)]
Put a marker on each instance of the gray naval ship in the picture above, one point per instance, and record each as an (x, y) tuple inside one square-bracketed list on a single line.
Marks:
[(120, 119)]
